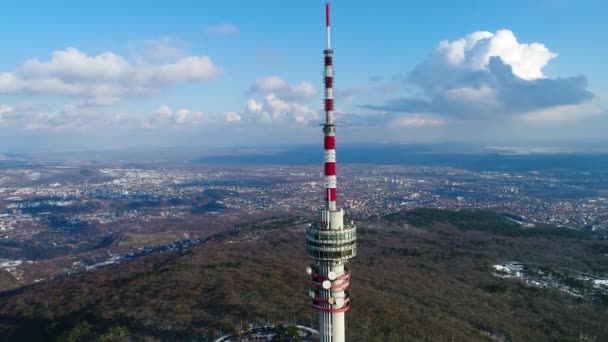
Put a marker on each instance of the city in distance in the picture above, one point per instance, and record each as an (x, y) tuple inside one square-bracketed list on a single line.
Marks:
[(167, 233), (186, 176)]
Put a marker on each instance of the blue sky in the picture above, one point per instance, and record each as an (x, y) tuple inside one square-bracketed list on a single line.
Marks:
[(114, 74)]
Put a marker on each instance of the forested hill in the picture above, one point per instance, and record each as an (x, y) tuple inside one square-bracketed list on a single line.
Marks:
[(419, 275), (487, 221)]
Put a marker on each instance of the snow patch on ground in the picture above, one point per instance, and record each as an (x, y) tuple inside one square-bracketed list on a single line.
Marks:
[(10, 263), (578, 285)]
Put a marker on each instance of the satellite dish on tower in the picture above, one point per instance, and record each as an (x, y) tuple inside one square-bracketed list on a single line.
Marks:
[(326, 284), (331, 275), (339, 301)]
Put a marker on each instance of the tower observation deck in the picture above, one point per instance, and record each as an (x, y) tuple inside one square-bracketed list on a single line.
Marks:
[(329, 241)]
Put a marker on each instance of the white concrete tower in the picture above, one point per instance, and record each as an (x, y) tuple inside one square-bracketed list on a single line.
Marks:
[(330, 242)]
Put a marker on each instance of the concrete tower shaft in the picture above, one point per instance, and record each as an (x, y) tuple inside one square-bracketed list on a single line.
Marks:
[(330, 242)]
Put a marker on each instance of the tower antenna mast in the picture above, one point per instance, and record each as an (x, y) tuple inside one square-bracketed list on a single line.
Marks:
[(330, 242)]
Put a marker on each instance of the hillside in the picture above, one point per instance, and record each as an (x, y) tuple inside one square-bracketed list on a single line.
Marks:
[(420, 275)]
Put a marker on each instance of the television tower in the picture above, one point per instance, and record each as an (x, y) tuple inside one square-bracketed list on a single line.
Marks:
[(330, 242)]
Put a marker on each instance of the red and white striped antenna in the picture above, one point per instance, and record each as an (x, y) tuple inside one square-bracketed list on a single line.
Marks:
[(329, 128)]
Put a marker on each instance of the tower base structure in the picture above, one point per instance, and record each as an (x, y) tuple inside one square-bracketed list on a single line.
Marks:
[(330, 243)]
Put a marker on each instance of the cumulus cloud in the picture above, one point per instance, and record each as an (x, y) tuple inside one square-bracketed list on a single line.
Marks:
[(104, 78), (275, 85), (476, 49), (232, 117), (224, 29), (253, 106), (166, 117), (164, 112), (73, 64), (487, 74), (280, 102), (276, 110), (188, 69)]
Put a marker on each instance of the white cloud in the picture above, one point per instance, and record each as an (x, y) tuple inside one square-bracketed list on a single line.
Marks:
[(73, 64), (232, 117), (475, 50), (269, 84), (416, 121), (275, 85), (5, 109), (9, 83), (304, 90), (277, 110), (253, 106), (282, 103), (187, 117), (164, 111), (166, 117), (454, 51), (224, 29), (104, 78), (189, 69), (485, 75)]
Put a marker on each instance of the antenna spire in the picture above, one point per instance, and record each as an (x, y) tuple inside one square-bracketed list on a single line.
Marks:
[(327, 25)]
